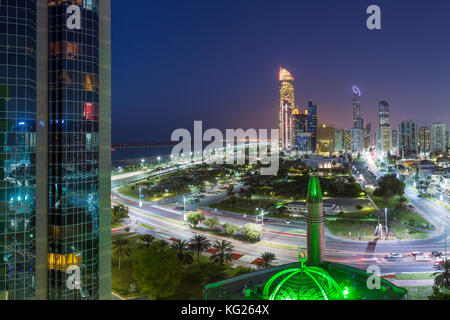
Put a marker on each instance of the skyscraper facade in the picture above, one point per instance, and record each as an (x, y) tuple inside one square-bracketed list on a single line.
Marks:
[(311, 112), (356, 140), (358, 122), (384, 132), (438, 138), (325, 139), (302, 141), (55, 228), (408, 137), (338, 141), (287, 105), (424, 139)]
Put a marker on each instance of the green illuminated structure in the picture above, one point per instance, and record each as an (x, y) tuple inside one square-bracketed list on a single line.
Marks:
[(303, 283), (313, 279)]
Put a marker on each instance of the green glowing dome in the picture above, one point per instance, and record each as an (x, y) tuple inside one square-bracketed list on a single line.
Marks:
[(304, 283)]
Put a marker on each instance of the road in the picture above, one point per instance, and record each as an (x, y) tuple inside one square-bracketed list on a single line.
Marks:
[(169, 224)]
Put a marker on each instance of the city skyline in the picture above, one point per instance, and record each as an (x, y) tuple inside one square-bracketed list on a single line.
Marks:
[(225, 79)]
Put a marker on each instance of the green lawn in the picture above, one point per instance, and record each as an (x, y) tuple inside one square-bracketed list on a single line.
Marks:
[(413, 276), (419, 293)]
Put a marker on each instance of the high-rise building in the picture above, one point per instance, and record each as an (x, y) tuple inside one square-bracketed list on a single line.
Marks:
[(395, 140), (325, 139), (339, 141), (302, 141), (356, 140), (311, 112), (424, 139), (407, 137), (55, 230), (438, 138), (287, 105), (384, 132), (383, 113), (358, 122), (366, 136)]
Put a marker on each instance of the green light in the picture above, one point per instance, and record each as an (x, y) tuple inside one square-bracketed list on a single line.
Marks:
[(345, 292), (314, 191), (304, 283)]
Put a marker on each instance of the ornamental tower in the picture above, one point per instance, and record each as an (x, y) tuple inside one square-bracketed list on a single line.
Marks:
[(287, 105), (315, 219)]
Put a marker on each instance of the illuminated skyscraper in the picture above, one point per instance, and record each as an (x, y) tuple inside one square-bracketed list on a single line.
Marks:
[(287, 105), (407, 137), (325, 139), (438, 137), (55, 168), (311, 112), (384, 132), (424, 139), (302, 141), (358, 122)]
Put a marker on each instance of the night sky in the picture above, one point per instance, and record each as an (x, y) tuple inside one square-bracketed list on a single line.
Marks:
[(178, 61)]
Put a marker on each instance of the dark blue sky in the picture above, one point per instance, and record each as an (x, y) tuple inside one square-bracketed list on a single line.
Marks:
[(176, 61)]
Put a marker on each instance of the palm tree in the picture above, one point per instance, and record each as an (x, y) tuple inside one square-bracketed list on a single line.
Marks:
[(199, 244), (121, 247), (224, 252), (146, 239), (266, 260), (181, 247), (442, 278)]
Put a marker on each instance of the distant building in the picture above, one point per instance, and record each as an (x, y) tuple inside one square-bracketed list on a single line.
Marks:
[(311, 112), (384, 139), (339, 141), (424, 139), (358, 122), (408, 137), (302, 141), (383, 113), (438, 138), (384, 132), (395, 140), (325, 139), (287, 103), (356, 140)]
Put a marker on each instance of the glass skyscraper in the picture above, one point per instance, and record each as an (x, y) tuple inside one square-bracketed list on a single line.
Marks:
[(55, 131), (311, 110)]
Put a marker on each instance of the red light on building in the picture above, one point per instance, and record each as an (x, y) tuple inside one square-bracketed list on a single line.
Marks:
[(90, 111)]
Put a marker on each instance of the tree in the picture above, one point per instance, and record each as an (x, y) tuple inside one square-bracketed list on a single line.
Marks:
[(400, 206), (252, 231), (119, 212), (230, 228), (181, 247), (230, 190), (195, 218), (199, 244), (158, 271), (224, 252), (389, 186), (212, 223), (146, 240), (442, 278), (266, 260), (120, 246)]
